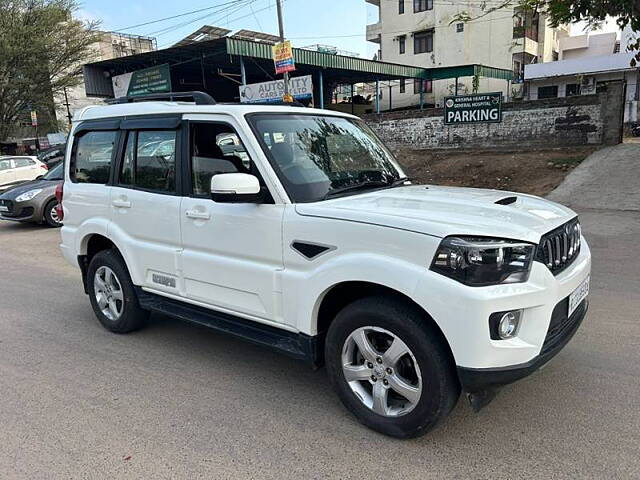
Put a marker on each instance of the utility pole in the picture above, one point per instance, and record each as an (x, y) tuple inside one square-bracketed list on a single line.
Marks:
[(281, 28), (66, 104)]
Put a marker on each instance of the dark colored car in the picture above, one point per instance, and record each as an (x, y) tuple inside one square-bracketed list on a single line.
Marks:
[(52, 156), (34, 201)]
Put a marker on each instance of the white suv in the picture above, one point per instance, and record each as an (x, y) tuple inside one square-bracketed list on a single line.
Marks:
[(313, 242)]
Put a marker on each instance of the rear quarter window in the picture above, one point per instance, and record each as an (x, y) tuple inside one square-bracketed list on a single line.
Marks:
[(24, 162)]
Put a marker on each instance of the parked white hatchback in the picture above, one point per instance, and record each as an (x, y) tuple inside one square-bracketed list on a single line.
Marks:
[(314, 242), (18, 169)]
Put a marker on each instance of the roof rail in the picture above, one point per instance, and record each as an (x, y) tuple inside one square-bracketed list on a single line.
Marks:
[(200, 98), (280, 103)]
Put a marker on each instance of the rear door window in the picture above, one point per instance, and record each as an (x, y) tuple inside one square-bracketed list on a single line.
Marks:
[(92, 157), (149, 161)]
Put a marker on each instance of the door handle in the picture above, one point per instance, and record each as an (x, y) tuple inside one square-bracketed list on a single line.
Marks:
[(198, 215), (121, 203)]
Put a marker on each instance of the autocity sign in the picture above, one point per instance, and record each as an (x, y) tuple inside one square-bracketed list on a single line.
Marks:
[(300, 87), (479, 108)]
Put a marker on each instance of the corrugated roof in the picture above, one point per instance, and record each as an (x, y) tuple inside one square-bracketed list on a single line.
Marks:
[(325, 60), (222, 55)]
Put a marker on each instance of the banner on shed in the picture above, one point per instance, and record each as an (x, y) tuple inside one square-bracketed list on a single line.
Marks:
[(143, 82), (300, 87)]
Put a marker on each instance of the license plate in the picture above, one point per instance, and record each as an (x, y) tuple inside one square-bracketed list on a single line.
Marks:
[(578, 295), (3, 208)]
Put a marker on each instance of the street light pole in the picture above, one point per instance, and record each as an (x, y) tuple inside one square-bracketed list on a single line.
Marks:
[(281, 28)]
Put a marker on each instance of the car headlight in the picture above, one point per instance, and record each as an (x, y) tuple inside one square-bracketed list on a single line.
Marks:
[(479, 261), (28, 195)]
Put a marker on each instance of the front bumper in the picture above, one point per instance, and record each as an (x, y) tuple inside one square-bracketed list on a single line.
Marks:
[(463, 312), (561, 331), (28, 211)]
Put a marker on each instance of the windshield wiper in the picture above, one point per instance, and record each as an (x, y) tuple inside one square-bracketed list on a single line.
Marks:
[(365, 185)]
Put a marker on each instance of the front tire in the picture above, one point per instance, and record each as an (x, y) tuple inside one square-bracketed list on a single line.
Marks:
[(51, 215), (390, 368), (112, 294)]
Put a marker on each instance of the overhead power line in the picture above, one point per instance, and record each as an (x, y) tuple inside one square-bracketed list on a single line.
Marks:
[(235, 5), (228, 22), (185, 14)]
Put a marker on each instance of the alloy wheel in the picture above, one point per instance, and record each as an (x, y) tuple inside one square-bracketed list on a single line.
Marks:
[(108, 293), (381, 371), (54, 215)]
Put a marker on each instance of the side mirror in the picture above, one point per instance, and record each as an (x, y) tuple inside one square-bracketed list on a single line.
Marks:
[(235, 188)]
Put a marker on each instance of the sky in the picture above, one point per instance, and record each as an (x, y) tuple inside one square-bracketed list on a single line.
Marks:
[(340, 23)]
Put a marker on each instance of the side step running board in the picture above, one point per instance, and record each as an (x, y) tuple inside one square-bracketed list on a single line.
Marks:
[(297, 345)]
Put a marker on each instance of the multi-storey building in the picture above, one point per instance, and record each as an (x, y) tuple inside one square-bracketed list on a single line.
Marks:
[(587, 64), (109, 45), (427, 33)]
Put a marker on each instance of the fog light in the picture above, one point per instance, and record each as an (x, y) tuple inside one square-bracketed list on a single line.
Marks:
[(504, 325)]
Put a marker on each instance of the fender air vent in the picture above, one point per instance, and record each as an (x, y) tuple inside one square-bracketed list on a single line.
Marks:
[(310, 250)]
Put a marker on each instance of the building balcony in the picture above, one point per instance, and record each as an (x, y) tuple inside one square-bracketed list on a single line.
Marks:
[(525, 45), (374, 32), (373, 2)]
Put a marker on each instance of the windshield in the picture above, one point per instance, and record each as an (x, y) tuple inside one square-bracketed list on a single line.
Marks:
[(56, 173), (316, 156)]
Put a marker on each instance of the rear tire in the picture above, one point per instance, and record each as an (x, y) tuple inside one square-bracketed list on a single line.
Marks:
[(422, 369), (50, 215), (112, 293)]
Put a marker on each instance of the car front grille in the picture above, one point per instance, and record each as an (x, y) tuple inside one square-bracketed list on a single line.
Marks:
[(8, 204), (560, 247), (561, 325)]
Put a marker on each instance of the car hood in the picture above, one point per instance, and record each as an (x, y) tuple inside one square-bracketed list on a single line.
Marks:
[(12, 192), (444, 211)]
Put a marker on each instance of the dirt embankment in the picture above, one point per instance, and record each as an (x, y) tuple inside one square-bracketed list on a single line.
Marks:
[(536, 172)]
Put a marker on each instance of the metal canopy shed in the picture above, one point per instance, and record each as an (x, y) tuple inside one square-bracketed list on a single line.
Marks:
[(218, 66)]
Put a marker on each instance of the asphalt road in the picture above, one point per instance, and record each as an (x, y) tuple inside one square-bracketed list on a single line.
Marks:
[(180, 401)]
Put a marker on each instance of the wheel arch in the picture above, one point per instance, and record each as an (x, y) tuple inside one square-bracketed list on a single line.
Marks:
[(44, 207), (339, 295), (90, 245)]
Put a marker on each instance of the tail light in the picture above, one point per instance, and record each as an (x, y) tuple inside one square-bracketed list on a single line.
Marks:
[(59, 195), (45, 166)]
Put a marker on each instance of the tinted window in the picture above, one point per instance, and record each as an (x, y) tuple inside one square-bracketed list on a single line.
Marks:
[(150, 161), (48, 155), (5, 164), (91, 160), (156, 161), (215, 149), (128, 165), (56, 173)]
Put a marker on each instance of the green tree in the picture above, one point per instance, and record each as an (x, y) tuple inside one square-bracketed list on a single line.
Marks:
[(593, 12), (42, 48)]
